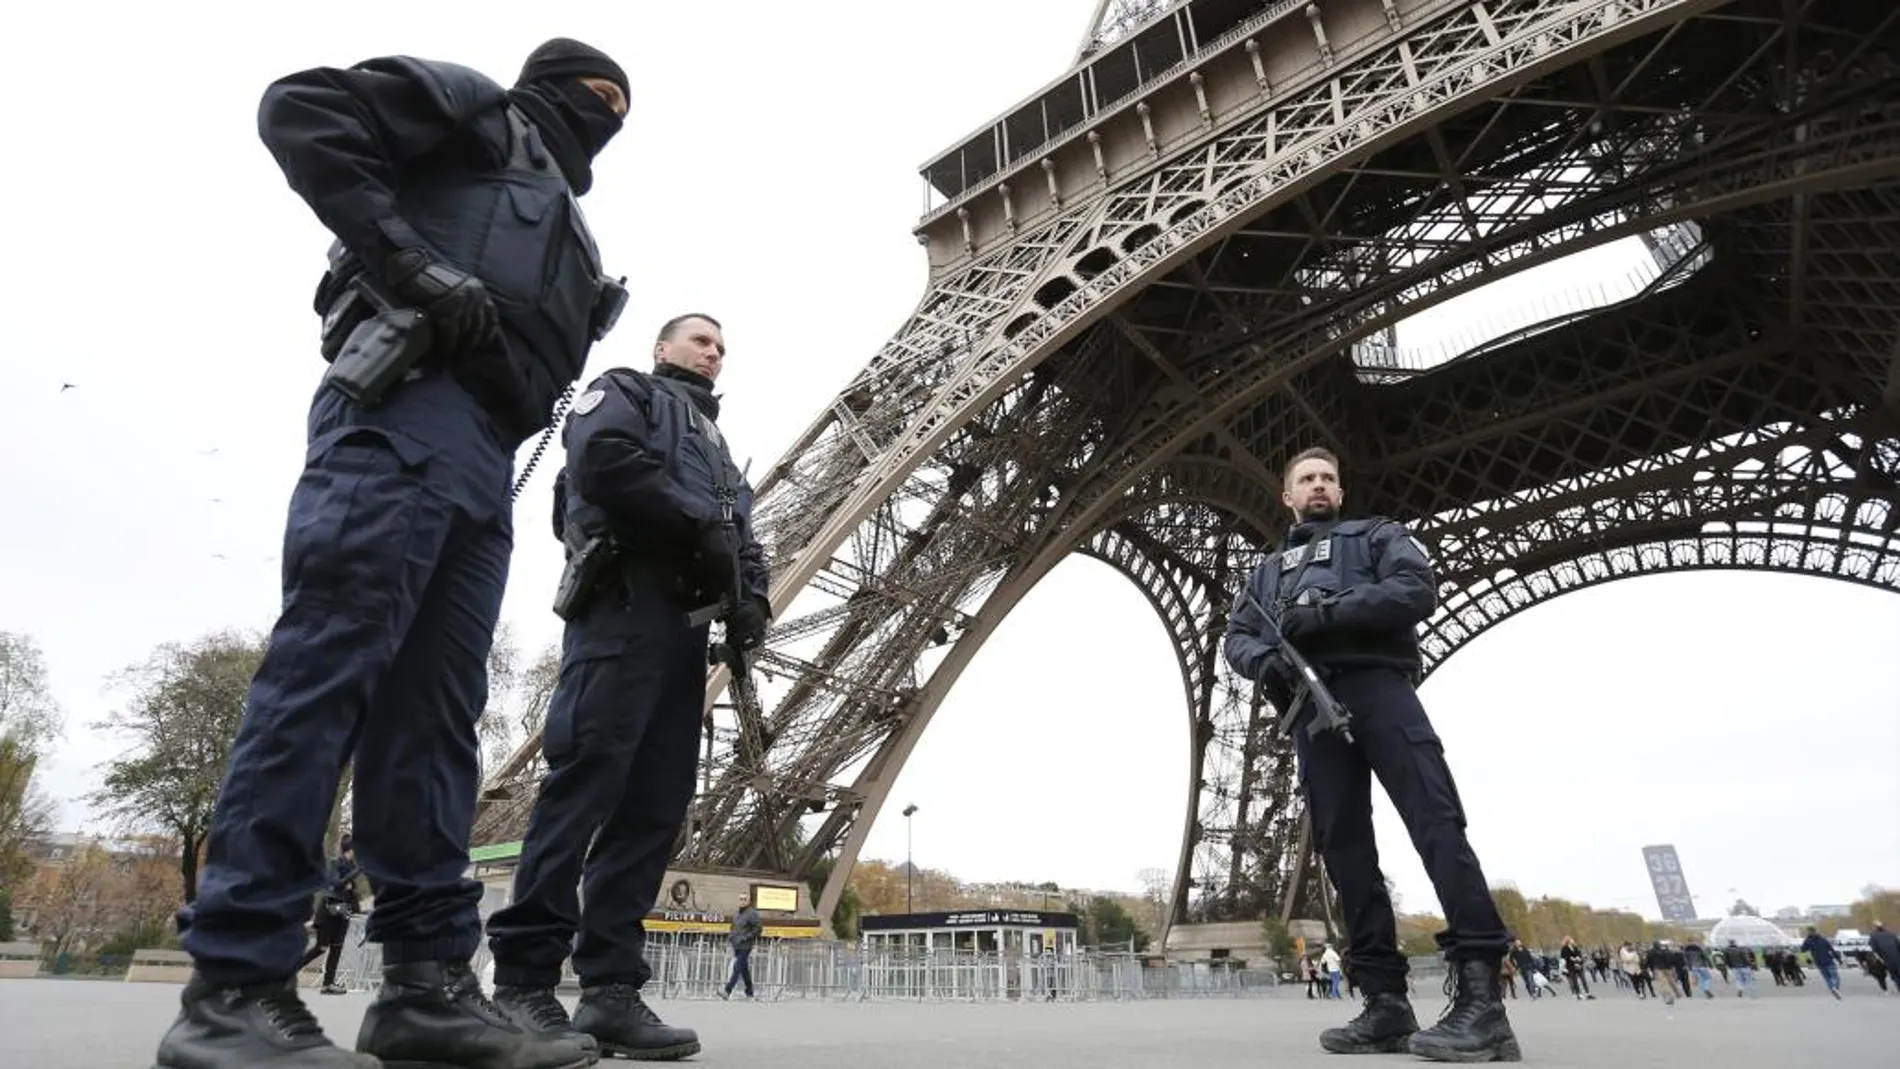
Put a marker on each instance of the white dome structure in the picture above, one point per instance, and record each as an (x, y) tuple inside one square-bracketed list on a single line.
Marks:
[(1748, 931)]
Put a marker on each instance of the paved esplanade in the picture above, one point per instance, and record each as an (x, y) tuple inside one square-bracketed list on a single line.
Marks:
[(71, 1024)]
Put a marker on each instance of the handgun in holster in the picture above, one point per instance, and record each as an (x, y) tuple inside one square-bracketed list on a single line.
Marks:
[(586, 564), (369, 338)]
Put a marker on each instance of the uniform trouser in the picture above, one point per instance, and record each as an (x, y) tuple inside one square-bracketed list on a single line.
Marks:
[(1393, 739), (622, 745), (395, 557)]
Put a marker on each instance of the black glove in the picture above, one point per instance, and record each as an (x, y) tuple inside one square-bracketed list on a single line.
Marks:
[(455, 301), (1302, 621), (716, 561), (745, 628), (1274, 671)]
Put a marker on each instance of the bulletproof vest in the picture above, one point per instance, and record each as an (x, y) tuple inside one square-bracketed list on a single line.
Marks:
[(511, 220), (694, 447), (1336, 560), (704, 462)]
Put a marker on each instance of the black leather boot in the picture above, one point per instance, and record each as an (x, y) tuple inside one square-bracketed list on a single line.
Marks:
[(1384, 1027), (538, 1009), (256, 1026), (1473, 1028), (627, 1027), (433, 1015)]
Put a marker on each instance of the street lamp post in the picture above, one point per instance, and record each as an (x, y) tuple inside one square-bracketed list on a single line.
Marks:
[(909, 869)]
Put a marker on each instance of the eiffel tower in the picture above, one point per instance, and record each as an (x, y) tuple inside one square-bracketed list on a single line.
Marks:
[(1187, 257)]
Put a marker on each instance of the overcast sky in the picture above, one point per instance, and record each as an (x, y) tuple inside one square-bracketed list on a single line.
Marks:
[(159, 263)]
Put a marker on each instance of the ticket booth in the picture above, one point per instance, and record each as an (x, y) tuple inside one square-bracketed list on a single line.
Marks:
[(979, 953)]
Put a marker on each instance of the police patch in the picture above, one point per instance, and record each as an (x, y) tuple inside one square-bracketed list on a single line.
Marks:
[(588, 401)]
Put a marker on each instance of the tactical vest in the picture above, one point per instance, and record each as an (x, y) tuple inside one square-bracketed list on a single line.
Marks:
[(1338, 560), (512, 221), (694, 449)]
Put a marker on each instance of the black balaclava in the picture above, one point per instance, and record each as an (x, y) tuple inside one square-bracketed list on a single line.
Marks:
[(573, 120)]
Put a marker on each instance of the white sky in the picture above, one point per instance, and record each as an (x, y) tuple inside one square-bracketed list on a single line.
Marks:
[(158, 261)]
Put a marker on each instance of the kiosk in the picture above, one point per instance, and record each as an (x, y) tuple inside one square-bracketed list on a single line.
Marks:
[(974, 953)]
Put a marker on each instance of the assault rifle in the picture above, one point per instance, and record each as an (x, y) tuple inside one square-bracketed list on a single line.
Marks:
[(1328, 713)]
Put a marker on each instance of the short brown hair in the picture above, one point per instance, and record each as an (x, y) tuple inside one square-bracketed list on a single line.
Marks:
[(1318, 452)]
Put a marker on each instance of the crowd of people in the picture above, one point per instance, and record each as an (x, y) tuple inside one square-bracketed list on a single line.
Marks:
[(1664, 969)]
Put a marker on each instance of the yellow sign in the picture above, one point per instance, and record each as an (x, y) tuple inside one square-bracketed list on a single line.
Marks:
[(782, 899), (806, 931)]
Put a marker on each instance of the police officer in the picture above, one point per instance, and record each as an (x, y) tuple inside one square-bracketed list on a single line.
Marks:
[(338, 903), (462, 298), (657, 522), (1348, 595)]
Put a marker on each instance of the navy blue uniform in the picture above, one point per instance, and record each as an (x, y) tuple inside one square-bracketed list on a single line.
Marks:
[(646, 466), (1367, 585), (400, 530)]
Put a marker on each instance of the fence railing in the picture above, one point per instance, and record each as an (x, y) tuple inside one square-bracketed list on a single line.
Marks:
[(801, 969)]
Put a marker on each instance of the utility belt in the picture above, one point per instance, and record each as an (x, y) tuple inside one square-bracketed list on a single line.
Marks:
[(372, 341), (602, 565)]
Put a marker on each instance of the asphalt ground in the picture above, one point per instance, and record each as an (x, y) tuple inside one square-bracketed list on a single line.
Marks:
[(83, 1024)]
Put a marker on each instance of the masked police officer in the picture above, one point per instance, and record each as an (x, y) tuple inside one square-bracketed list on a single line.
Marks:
[(1349, 596), (656, 519), (463, 295)]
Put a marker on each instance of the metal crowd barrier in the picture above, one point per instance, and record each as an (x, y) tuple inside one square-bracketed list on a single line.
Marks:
[(690, 967)]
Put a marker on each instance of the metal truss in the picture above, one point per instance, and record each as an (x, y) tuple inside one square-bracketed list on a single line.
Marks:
[(1123, 374)]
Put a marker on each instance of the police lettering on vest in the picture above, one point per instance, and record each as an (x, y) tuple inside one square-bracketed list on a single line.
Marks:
[(1374, 580)]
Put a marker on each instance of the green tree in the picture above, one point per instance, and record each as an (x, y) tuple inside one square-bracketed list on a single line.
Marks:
[(185, 706), (6, 915), (844, 916), (30, 721), (1281, 946), (1111, 925), (1512, 908), (26, 812)]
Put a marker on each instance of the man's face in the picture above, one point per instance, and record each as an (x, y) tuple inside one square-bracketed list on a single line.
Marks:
[(608, 92), (696, 345), (1312, 491)]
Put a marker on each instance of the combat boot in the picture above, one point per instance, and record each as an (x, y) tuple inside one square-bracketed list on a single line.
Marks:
[(536, 1009), (627, 1027), (253, 1026), (1474, 1027), (433, 1015), (1384, 1027)]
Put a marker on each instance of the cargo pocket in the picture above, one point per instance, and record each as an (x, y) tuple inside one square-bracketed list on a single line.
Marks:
[(1438, 792), (355, 517), (589, 702)]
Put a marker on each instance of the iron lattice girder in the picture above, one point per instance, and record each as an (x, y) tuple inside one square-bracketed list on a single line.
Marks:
[(1238, 848), (1817, 499), (1001, 428)]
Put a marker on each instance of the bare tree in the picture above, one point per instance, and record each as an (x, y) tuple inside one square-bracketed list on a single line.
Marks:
[(518, 697), (495, 729)]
